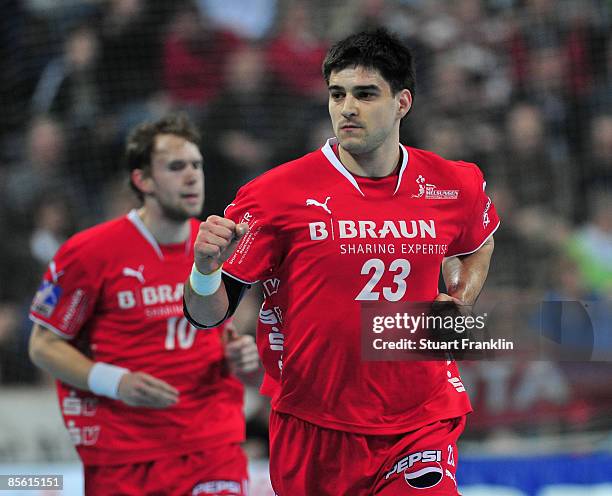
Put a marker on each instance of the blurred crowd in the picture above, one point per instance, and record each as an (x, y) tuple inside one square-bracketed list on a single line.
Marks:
[(521, 87)]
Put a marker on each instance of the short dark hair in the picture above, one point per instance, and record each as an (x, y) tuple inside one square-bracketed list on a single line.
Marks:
[(378, 50), (141, 140)]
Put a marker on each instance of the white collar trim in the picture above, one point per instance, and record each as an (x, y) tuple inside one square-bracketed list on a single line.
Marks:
[(333, 159), (135, 219)]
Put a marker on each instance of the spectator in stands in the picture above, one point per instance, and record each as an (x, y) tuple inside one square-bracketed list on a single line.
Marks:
[(230, 14), (244, 142), (601, 98), (444, 137), (41, 171), (591, 246), (130, 52), (533, 194), (68, 87), (15, 368), (52, 226), (597, 163), (296, 52), (532, 175), (195, 57), (26, 45)]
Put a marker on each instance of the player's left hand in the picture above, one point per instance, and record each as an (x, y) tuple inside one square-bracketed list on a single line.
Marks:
[(445, 297), (240, 352), (447, 306)]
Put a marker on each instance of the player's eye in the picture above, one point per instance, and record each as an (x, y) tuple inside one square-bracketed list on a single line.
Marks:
[(366, 95), (336, 95)]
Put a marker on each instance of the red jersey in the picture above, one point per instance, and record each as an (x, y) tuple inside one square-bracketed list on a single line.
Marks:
[(323, 241), (116, 294)]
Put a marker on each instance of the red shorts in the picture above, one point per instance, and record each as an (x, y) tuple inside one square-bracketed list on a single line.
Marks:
[(216, 471), (308, 460)]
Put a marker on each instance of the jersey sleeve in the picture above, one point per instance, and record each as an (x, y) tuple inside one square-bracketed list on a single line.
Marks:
[(481, 220), (256, 254), (68, 293)]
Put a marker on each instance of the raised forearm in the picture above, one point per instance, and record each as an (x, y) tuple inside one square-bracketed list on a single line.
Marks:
[(206, 310), (465, 276)]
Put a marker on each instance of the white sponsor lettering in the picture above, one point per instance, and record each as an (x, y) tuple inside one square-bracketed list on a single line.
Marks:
[(276, 339), (86, 436), (418, 456), (485, 215), (218, 486), (369, 229), (126, 299), (151, 295), (432, 192), (75, 301), (74, 406), (270, 286), (268, 317), (318, 231)]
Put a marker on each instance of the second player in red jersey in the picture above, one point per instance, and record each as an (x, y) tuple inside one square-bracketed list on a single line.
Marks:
[(148, 400), (364, 219)]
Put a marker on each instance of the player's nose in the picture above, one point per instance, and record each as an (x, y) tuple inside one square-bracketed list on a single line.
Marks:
[(349, 108), (192, 175)]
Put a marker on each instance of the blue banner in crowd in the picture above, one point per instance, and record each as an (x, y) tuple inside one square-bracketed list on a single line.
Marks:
[(538, 475)]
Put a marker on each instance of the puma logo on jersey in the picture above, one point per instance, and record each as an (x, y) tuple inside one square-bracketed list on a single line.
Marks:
[(314, 203), (450, 475), (129, 272)]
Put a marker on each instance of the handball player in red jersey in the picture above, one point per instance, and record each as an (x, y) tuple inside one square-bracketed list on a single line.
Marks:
[(363, 219), (151, 403)]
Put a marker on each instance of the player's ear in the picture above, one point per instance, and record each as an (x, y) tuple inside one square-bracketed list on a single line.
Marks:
[(142, 181), (404, 102)]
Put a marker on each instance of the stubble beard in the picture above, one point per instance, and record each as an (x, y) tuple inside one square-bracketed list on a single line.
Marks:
[(177, 214), (363, 146)]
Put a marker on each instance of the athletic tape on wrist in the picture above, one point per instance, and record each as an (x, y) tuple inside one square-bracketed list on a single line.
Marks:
[(104, 379), (205, 284)]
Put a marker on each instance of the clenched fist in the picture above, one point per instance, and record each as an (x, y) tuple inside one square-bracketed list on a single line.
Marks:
[(216, 241)]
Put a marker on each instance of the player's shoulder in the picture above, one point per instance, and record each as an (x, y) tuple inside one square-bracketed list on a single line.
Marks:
[(99, 237), (460, 171), (287, 176)]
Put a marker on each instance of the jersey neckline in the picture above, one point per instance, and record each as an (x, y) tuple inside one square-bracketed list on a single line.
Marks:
[(335, 162), (135, 219)]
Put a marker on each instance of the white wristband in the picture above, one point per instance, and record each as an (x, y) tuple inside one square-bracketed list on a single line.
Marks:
[(104, 379), (205, 284)]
